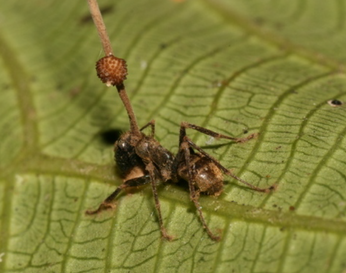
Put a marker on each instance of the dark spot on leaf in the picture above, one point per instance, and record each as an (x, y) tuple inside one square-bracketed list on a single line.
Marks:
[(335, 103), (292, 208), (278, 26), (202, 259), (5, 86), (59, 86), (110, 136), (259, 21), (75, 91)]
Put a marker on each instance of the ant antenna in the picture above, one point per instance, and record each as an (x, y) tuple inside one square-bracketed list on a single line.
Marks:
[(110, 69)]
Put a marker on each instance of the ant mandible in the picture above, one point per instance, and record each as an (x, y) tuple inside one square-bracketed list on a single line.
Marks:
[(141, 159)]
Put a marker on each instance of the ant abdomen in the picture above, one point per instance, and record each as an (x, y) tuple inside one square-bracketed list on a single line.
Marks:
[(207, 177)]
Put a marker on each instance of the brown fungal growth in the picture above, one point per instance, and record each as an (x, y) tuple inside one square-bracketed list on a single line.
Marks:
[(111, 70)]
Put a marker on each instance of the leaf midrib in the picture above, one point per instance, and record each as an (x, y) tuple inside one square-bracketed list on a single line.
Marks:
[(229, 210)]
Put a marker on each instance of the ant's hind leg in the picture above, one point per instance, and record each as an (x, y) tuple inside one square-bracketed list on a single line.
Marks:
[(108, 202), (208, 132)]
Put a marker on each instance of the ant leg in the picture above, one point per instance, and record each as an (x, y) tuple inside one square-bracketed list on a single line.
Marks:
[(183, 137), (151, 169), (226, 171), (108, 202), (194, 195), (215, 134), (152, 126)]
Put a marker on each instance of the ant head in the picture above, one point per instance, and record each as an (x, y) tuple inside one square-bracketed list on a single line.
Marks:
[(125, 154)]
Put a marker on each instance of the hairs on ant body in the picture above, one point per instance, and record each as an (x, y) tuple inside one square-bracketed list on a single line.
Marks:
[(142, 160)]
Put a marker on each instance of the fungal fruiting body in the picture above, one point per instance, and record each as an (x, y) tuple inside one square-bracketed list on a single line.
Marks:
[(111, 70)]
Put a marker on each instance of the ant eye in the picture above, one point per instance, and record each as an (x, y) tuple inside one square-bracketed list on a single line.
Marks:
[(122, 144), (111, 70)]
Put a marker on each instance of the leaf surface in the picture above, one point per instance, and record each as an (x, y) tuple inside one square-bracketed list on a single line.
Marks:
[(236, 67)]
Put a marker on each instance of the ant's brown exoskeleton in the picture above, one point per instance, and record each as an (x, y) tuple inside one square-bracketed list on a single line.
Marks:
[(142, 160)]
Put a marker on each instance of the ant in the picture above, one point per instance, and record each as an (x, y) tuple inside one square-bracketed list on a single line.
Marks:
[(142, 160)]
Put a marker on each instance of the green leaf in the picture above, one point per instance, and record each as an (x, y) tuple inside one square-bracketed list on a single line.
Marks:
[(236, 67)]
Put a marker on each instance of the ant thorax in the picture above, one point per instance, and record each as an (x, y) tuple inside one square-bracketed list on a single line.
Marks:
[(150, 150)]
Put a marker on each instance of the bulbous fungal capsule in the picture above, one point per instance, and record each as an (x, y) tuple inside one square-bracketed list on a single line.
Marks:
[(111, 70)]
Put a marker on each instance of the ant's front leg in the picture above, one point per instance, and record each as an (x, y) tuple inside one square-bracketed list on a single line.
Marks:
[(108, 202), (150, 167), (152, 126)]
